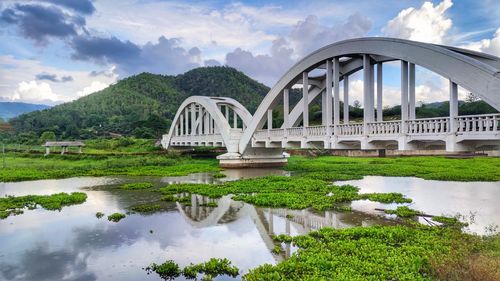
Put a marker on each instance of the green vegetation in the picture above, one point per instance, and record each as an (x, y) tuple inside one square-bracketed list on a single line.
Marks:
[(169, 270), (116, 217), (13, 205), (385, 253), (219, 175), (449, 222), (99, 215), (20, 167), (209, 204), (137, 186), (282, 191), (331, 168), (146, 208), (403, 212), (142, 105)]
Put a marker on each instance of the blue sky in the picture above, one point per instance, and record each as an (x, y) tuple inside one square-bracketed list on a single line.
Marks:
[(55, 51)]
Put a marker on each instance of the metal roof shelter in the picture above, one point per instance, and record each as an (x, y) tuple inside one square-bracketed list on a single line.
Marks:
[(64, 146)]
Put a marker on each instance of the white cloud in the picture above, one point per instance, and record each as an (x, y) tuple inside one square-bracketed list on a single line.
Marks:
[(429, 23), (94, 87), (34, 92), (15, 71), (490, 46)]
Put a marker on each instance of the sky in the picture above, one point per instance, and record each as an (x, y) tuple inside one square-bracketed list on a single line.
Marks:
[(55, 51)]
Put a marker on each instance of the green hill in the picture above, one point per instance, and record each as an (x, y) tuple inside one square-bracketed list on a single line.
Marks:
[(142, 105)]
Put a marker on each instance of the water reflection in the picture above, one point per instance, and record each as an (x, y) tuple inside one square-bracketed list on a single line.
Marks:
[(438, 197)]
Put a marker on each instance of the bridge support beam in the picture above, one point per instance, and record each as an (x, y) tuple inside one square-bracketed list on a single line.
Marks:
[(254, 158), (346, 99)]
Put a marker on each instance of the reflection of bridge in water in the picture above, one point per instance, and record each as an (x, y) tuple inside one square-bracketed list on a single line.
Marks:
[(270, 221)]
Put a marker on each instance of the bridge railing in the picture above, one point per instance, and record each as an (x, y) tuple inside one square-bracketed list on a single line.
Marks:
[(316, 131), (426, 126), (276, 133), (353, 129), (384, 128), (295, 131), (478, 123)]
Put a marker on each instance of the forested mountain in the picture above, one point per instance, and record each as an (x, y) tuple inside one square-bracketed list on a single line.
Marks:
[(10, 110), (141, 105)]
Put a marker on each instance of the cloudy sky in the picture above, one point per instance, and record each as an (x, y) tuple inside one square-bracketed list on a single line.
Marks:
[(54, 51)]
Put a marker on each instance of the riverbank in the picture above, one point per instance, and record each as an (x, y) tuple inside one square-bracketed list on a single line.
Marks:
[(25, 166)]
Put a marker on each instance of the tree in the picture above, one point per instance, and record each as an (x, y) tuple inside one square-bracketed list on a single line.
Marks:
[(47, 136), (356, 104), (471, 98)]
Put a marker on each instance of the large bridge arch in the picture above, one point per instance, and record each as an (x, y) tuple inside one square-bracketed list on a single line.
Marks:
[(476, 72)]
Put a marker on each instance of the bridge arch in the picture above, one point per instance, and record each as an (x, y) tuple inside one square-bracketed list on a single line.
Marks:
[(476, 72), (210, 118), (251, 145)]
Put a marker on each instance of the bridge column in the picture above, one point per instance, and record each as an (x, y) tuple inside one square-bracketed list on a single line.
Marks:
[(286, 108), (186, 121), (327, 110), (235, 119), (403, 143), (305, 99), (412, 91), (336, 93), (380, 115), (451, 140), (269, 119), (181, 116), (227, 113), (368, 88), (193, 119), (346, 99)]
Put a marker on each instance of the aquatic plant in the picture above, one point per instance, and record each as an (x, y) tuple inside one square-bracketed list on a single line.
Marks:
[(403, 212), (168, 270), (277, 249), (146, 208), (116, 217), (219, 175), (14, 205), (283, 238), (371, 253), (211, 269), (449, 222), (99, 215), (137, 186), (209, 204), (335, 168)]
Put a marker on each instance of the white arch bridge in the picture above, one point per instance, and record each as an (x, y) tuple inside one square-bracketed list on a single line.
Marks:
[(252, 140)]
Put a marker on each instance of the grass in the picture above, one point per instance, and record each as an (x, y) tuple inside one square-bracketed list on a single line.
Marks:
[(21, 167), (385, 253), (13, 205), (332, 168)]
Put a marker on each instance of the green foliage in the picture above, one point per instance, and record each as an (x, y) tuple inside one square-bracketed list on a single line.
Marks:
[(22, 167), (47, 136), (386, 198), (403, 212), (99, 215), (211, 269), (219, 175), (449, 222), (142, 105), (277, 249), (13, 205), (283, 192), (168, 270), (146, 208), (332, 168), (137, 186), (283, 238), (116, 217), (209, 204), (369, 253)]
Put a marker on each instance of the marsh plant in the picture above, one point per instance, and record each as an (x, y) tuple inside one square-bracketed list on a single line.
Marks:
[(209, 270), (116, 217), (99, 215), (15, 205)]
